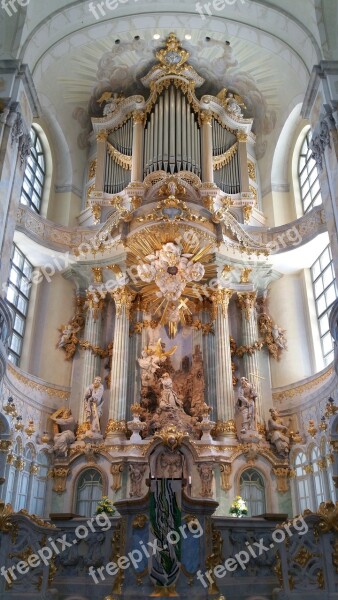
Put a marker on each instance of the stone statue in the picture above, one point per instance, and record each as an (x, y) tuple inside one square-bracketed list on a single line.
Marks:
[(66, 426), (169, 399), (152, 357), (206, 475), (136, 471), (170, 465), (278, 433), (247, 396), (93, 407), (278, 335)]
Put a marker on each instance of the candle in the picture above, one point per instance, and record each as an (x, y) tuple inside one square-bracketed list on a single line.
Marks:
[(189, 479)]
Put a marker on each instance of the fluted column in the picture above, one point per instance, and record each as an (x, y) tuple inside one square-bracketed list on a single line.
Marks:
[(92, 337), (247, 301), (137, 153), (116, 427), (101, 140), (209, 367), (206, 137), (224, 388)]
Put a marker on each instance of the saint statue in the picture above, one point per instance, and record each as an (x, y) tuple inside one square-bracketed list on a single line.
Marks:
[(278, 434), (66, 427), (93, 406), (246, 404), (169, 399)]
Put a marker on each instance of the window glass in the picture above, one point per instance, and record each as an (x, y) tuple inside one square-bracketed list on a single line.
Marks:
[(252, 490), (18, 297), (89, 492), (34, 176), (325, 292), (308, 176)]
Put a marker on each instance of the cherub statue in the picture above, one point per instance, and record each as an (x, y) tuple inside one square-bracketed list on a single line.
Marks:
[(278, 335)]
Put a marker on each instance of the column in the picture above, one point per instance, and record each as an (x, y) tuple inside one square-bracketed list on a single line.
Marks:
[(137, 152), (243, 162), (206, 137), (224, 388), (92, 337), (135, 349), (247, 301), (116, 427), (209, 367), (101, 140)]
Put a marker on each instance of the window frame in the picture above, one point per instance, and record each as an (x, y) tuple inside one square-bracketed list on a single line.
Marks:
[(34, 175), (17, 285), (318, 275), (312, 176), (251, 484)]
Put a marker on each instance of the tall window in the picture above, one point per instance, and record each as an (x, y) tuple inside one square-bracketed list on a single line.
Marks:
[(18, 297), (253, 492), (89, 492), (325, 291), (302, 480), (40, 485), (32, 188), (317, 476), (22, 498), (308, 176)]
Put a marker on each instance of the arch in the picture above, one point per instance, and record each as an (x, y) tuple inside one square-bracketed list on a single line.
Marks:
[(89, 487), (252, 489)]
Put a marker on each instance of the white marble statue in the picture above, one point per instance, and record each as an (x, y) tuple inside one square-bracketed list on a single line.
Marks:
[(246, 404), (65, 437), (168, 399), (149, 363), (93, 406), (278, 434), (278, 335)]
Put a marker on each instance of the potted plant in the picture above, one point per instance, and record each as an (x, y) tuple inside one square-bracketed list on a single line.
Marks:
[(105, 506), (238, 508)]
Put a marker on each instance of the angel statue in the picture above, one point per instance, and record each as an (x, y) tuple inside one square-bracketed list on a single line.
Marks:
[(231, 102), (152, 357)]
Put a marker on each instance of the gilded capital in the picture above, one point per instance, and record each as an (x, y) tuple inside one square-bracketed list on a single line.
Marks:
[(247, 301), (123, 297), (206, 117), (116, 427), (242, 137), (102, 135), (97, 272), (95, 301), (221, 297), (139, 117)]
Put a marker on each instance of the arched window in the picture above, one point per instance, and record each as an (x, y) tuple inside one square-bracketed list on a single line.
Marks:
[(317, 476), (22, 498), (325, 293), (89, 492), (34, 177), (39, 488), (308, 176), (252, 490), (302, 480)]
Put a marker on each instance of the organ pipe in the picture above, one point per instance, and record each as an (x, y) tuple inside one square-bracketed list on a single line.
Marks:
[(172, 136)]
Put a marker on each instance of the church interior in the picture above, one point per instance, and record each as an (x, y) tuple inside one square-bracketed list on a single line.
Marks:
[(169, 299)]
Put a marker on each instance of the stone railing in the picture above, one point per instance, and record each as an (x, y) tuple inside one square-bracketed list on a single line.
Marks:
[(5, 333), (307, 566), (49, 234), (293, 234)]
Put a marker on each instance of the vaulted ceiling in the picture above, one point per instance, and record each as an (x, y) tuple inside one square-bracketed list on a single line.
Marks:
[(73, 57)]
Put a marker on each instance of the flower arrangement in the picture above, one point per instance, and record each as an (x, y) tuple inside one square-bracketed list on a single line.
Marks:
[(238, 508), (105, 506)]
